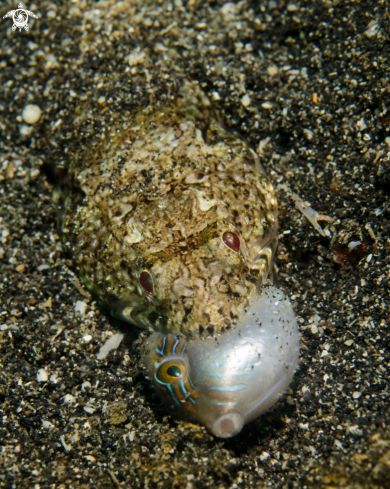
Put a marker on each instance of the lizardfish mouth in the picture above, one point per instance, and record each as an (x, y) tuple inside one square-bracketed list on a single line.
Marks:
[(227, 381)]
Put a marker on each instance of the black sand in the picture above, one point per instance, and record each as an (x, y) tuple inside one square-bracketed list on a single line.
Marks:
[(311, 78)]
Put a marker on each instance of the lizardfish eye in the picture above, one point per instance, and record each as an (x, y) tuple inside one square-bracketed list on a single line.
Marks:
[(146, 282), (170, 372), (231, 240)]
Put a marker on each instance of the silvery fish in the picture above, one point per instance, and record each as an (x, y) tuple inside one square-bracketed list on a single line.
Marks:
[(172, 224)]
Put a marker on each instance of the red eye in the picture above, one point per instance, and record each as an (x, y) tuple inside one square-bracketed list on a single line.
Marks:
[(231, 239), (146, 281)]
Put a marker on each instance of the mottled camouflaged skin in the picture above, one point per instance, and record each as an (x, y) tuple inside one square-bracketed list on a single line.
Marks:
[(158, 196)]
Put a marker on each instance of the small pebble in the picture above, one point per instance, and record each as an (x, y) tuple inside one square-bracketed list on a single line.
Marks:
[(272, 70), (292, 7), (31, 114), (25, 130), (246, 100)]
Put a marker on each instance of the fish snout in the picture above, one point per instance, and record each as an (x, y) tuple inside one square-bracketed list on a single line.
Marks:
[(227, 425)]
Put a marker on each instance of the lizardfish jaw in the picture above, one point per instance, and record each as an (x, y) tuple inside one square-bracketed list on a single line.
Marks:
[(227, 381)]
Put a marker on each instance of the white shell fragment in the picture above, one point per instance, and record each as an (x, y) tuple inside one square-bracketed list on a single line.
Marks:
[(42, 375), (111, 344), (69, 399), (81, 307), (90, 408), (47, 425), (90, 458), (67, 447), (31, 114), (25, 130), (85, 385), (54, 378)]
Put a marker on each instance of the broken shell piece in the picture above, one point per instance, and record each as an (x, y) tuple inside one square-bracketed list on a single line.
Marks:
[(304, 207), (111, 344), (312, 215), (81, 307), (47, 425), (69, 399), (42, 375)]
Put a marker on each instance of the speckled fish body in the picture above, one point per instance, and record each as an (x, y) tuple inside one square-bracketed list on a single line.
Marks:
[(173, 226)]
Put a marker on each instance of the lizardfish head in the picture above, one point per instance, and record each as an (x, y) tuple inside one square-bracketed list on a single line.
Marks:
[(227, 381)]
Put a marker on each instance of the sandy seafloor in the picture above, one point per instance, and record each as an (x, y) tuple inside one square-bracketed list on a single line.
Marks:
[(307, 84)]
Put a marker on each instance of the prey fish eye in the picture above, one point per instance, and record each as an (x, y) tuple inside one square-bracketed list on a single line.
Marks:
[(169, 372), (173, 190)]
